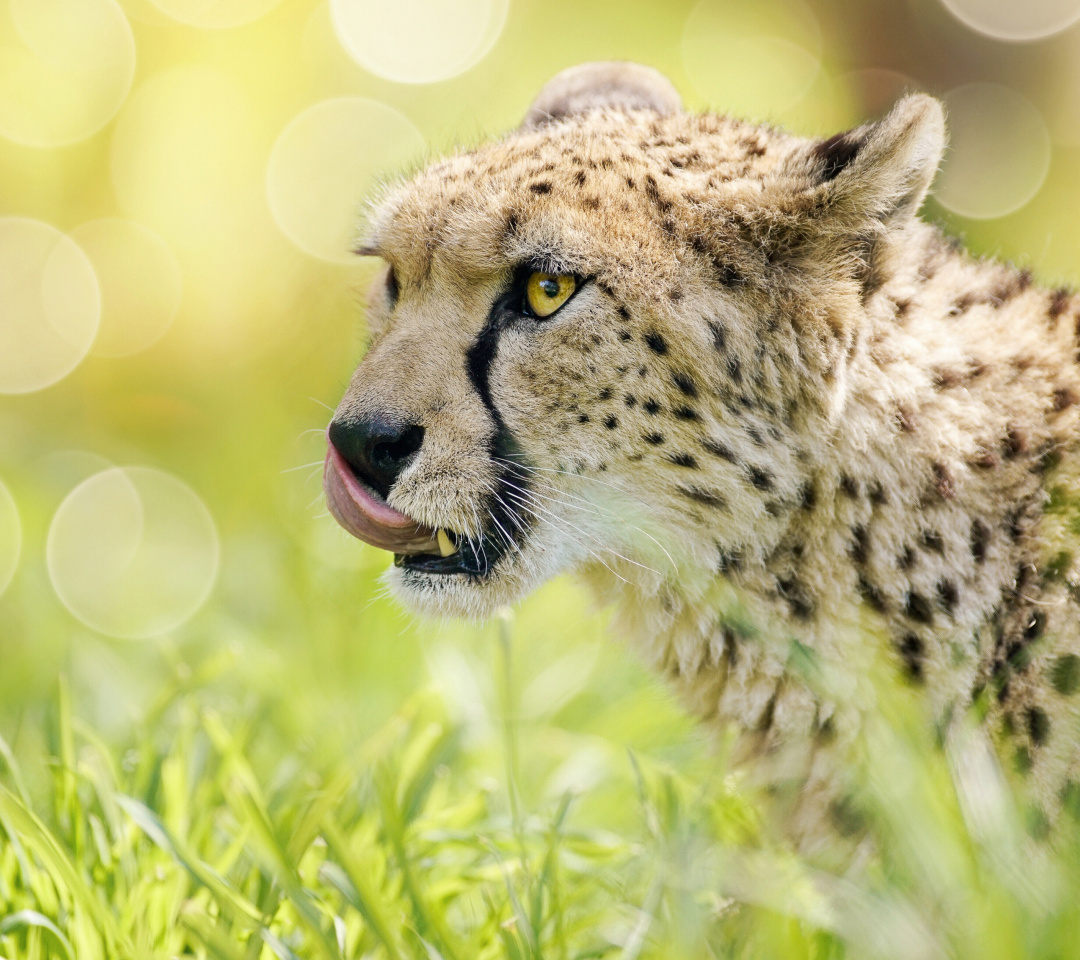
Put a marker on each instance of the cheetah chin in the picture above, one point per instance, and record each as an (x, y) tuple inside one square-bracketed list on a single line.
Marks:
[(731, 380)]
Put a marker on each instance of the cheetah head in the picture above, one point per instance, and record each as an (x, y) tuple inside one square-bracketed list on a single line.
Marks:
[(603, 342)]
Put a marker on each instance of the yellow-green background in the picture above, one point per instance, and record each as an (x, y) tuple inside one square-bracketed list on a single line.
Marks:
[(296, 645)]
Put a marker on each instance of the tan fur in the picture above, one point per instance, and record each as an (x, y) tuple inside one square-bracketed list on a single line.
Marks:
[(781, 406)]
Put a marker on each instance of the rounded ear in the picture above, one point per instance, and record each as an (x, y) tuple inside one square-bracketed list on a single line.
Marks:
[(882, 169), (592, 86)]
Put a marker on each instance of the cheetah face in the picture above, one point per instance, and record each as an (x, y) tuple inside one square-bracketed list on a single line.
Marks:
[(596, 343)]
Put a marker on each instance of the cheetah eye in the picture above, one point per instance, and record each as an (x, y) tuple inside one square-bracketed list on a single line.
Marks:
[(546, 292)]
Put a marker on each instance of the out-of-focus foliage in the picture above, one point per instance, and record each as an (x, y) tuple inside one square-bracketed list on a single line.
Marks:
[(217, 737)]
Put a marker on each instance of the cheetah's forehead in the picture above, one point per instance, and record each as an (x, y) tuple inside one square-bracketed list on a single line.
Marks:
[(585, 189)]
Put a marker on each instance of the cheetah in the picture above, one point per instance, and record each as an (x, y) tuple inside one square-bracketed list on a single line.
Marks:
[(730, 379)]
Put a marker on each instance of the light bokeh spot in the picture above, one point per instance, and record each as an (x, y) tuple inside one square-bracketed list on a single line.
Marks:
[(999, 151), (49, 305), (752, 58), (140, 282), (418, 41), (180, 150), (10, 537), (1015, 20), (66, 67), (215, 14), (325, 163), (132, 552)]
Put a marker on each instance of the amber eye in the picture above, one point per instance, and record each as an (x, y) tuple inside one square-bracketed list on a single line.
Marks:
[(546, 292)]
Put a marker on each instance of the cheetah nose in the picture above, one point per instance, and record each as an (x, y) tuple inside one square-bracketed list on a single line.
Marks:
[(376, 448)]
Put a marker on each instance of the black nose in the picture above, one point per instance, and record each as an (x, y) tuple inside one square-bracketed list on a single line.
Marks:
[(377, 449)]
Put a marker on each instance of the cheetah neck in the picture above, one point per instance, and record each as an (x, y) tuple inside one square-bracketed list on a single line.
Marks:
[(918, 515)]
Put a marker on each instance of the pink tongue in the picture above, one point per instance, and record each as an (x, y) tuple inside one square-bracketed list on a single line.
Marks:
[(367, 517)]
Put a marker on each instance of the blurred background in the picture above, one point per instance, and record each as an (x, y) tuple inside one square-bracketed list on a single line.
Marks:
[(179, 184)]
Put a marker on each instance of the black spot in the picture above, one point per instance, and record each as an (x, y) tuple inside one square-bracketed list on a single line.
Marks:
[(877, 494), (718, 449), (683, 460), (611, 421), (579, 178), (656, 343), (796, 598), (734, 369), (654, 438), (604, 394), (760, 478), (719, 336), (625, 336), (980, 538), (809, 496), (630, 400), (1065, 674), (918, 608), (849, 486), (871, 594), (705, 497), (932, 540), (583, 418), (1038, 724), (685, 383), (907, 559), (653, 193), (944, 482), (686, 413), (948, 595), (860, 547), (726, 273), (1016, 443), (728, 561), (913, 650), (624, 313), (651, 406)]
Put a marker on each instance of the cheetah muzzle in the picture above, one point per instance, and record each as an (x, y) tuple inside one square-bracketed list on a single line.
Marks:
[(729, 378)]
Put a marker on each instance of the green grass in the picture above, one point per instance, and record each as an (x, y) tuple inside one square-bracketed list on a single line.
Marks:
[(529, 799)]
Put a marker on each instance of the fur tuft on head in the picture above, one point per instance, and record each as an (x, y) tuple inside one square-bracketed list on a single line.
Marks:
[(594, 86)]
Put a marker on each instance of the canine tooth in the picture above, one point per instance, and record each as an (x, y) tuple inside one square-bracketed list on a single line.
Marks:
[(447, 547)]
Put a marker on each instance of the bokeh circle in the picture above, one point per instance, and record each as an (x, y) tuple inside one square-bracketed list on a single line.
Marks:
[(10, 538), (1011, 20), (215, 14), (66, 66), (140, 280), (324, 164), (418, 41), (999, 151), (132, 552), (754, 60), (49, 304)]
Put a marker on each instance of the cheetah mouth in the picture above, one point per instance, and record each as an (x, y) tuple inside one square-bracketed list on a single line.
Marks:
[(417, 548)]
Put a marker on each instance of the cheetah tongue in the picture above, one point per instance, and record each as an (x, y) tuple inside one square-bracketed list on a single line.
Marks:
[(367, 516)]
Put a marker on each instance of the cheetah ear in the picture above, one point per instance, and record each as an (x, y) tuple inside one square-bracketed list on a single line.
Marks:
[(882, 170), (591, 86)]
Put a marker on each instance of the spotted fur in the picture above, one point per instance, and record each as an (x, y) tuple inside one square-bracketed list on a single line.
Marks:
[(779, 406)]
